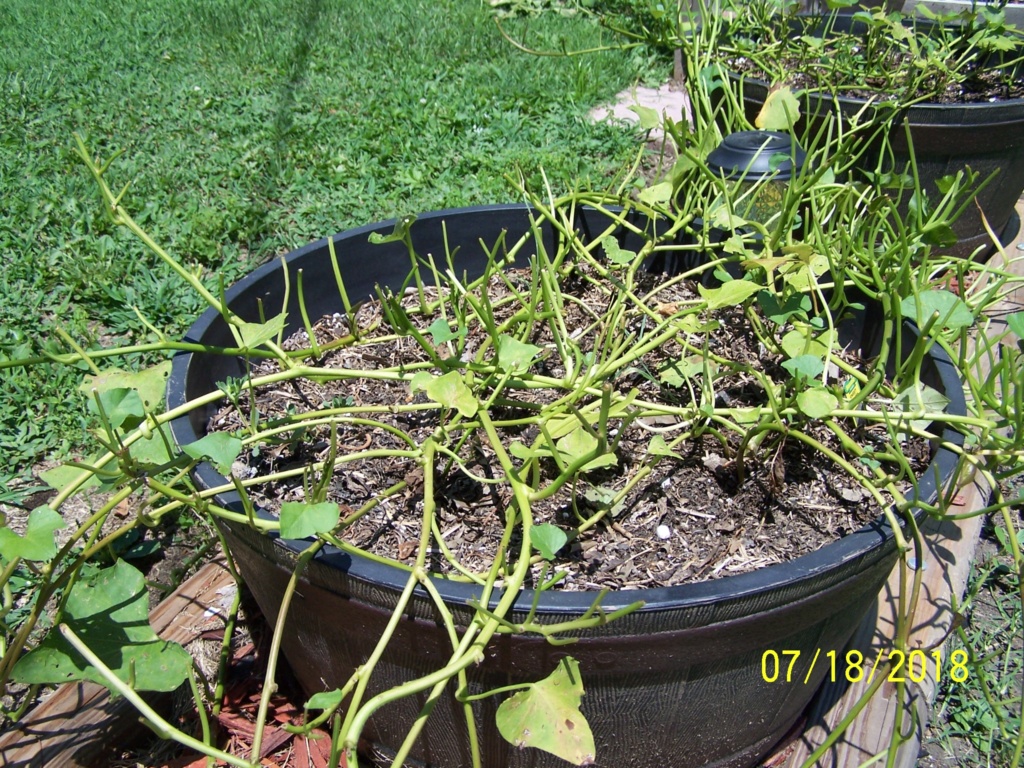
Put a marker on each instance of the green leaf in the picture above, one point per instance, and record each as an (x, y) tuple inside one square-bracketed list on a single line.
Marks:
[(804, 340), (615, 254), (658, 447), (149, 383), (779, 312), (780, 111), (514, 355), (952, 311), (548, 539), (816, 403), (649, 118), (254, 334), (1015, 322), (675, 373), (729, 295), (299, 519), (109, 611), (220, 448), (60, 477), (657, 193), (398, 233), (546, 715), (451, 391), (38, 543), (122, 406), (441, 332), (580, 443), (804, 367), (920, 398), (325, 700)]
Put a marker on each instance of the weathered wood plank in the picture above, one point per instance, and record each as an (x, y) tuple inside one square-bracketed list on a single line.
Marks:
[(78, 723), (951, 547)]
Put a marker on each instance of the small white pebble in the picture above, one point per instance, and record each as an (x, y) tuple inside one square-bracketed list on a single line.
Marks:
[(664, 532)]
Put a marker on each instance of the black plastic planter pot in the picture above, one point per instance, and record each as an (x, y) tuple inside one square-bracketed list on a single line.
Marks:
[(946, 138), (677, 683)]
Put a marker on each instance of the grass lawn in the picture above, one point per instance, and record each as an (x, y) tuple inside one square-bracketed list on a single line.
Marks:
[(249, 129)]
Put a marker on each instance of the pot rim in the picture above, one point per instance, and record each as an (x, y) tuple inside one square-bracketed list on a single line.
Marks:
[(868, 543)]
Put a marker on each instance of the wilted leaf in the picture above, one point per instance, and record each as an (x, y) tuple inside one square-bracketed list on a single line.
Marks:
[(451, 391), (649, 118), (658, 447), (300, 520), (109, 611), (38, 543), (514, 355), (548, 539), (546, 716), (398, 233), (779, 112), (150, 383), (920, 398)]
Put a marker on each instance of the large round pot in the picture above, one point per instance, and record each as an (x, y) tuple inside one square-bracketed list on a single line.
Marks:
[(677, 683), (946, 139)]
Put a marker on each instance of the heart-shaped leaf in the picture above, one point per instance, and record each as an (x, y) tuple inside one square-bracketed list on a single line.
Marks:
[(817, 403), (804, 367), (780, 111), (38, 543), (220, 448), (441, 332), (108, 610), (451, 391), (254, 334), (615, 254), (514, 355), (300, 520), (546, 715), (150, 383), (729, 295), (952, 312), (122, 407), (548, 539)]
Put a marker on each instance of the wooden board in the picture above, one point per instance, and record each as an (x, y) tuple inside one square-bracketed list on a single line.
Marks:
[(77, 724), (951, 548)]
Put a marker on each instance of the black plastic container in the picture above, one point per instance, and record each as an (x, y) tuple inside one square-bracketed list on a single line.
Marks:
[(678, 683)]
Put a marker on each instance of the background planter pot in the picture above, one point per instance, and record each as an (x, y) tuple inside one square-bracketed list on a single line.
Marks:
[(946, 138), (677, 683)]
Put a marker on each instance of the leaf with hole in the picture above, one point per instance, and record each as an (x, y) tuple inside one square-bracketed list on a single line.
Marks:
[(150, 383), (546, 716), (108, 610), (615, 254), (300, 519), (38, 543)]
